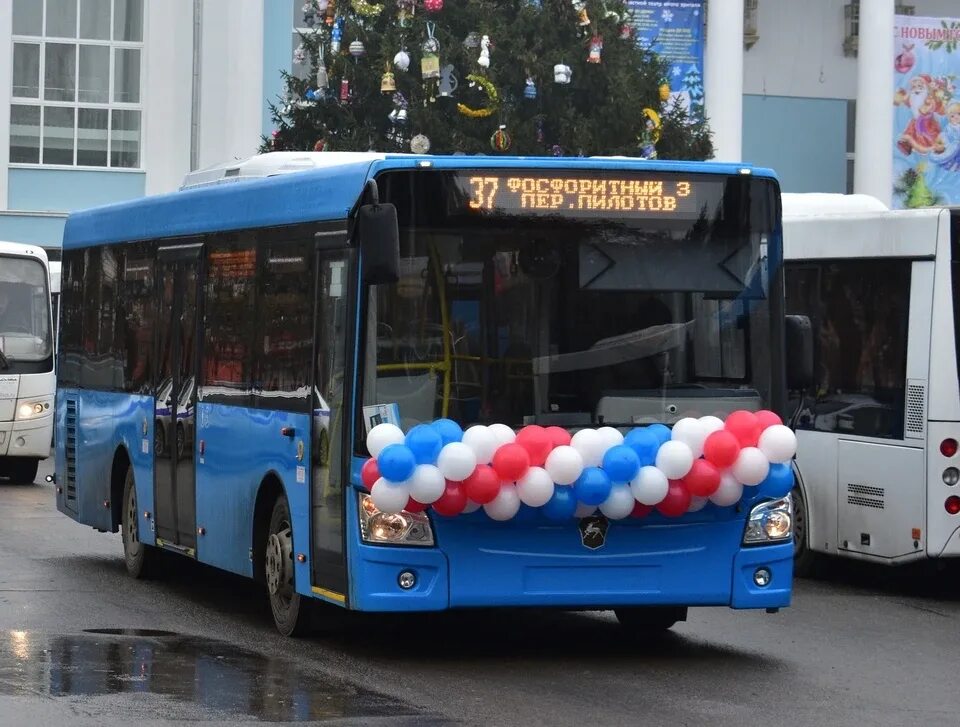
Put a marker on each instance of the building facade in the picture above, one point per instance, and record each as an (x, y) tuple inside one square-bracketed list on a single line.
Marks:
[(105, 100)]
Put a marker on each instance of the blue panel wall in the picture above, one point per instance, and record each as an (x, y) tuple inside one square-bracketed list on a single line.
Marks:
[(65, 190), (277, 35), (802, 139), (36, 229)]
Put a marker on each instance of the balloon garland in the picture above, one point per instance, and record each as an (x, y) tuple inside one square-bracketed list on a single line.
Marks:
[(451, 471)]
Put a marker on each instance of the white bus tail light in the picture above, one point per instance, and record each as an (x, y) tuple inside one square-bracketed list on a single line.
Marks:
[(952, 505), (951, 476), (403, 528), (948, 447)]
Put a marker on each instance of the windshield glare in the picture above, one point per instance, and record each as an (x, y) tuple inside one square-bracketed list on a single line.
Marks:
[(570, 325), (24, 310)]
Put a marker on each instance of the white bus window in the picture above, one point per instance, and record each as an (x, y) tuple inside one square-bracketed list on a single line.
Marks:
[(24, 310)]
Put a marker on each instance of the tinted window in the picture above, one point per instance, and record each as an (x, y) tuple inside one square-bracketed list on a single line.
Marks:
[(71, 317), (860, 311), (136, 312)]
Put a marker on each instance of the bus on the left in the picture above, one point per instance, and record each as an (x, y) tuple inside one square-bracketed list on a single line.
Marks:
[(27, 382)]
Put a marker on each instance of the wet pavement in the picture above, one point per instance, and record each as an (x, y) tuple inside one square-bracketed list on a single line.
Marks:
[(83, 644)]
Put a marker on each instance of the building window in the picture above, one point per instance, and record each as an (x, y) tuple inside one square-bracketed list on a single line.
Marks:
[(76, 94)]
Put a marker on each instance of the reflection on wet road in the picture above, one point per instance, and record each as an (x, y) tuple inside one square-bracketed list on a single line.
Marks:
[(184, 677)]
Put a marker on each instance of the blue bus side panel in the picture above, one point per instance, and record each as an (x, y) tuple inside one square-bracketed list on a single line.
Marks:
[(105, 423), (241, 447)]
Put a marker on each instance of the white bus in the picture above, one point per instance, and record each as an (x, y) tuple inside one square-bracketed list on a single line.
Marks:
[(879, 424), (27, 382)]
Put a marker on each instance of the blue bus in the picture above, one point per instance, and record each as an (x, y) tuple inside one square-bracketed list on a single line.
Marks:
[(226, 350)]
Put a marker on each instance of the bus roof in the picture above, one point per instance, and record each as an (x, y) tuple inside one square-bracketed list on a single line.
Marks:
[(282, 188), (818, 204), (20, 248)]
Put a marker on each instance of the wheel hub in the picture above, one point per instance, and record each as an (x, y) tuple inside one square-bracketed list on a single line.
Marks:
[(279, 565)]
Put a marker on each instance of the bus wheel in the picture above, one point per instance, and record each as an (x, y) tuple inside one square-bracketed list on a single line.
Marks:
[(140, 559), (181, 441), (22, 471), (650, 619), (159, 439), (290, 609), (804, 559)]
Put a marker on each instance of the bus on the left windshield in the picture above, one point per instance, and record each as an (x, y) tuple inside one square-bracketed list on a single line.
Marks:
[(27, 380)]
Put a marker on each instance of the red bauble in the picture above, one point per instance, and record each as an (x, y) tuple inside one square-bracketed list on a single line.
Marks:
[(703, 479), (641, 510), (511, 462), (538, 443), (768, 418), (745, 426), (721, 449), (559, 437), (452, 501), (677, 500), (483, 485), (369, 473), (433, 6)]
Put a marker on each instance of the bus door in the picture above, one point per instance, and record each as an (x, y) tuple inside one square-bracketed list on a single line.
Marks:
[(175, 398)]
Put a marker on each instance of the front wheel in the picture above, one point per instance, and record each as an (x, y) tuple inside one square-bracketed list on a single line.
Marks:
[(140, 559), (650, 619), (804, 559), (290, 609)]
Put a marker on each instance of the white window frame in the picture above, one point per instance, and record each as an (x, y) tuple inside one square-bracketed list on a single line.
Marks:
[(110, 106)]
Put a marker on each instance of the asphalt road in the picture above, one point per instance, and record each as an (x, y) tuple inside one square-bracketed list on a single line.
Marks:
[(83, 644)]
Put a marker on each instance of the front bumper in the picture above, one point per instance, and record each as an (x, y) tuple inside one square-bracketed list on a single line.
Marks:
[(26, 438)]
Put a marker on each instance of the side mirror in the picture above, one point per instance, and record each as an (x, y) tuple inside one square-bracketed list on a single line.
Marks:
[(799, 339), (379, 236)]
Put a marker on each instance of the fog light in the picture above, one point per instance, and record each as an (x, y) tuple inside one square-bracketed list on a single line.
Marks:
[(951, 476), (407, 580), (762, 577)]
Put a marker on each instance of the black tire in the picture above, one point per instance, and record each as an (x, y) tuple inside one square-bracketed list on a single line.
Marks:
[(291, 611), (650, 619), (159, 438), (140, 559), (22, 471), (181, 441), (804, 559)]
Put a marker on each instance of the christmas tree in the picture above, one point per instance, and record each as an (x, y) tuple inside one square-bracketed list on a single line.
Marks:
[(480, 77)]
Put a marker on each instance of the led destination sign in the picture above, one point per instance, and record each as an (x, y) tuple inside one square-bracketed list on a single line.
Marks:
[(659, 195)]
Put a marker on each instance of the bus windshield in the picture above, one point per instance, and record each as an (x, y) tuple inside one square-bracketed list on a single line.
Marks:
[(24, 311), (575, 322)]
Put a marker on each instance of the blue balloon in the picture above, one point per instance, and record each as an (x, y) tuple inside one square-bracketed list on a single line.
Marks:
[(425, 443), (396, 463), (593, 486), (562, 505), (661, 432), (779, 482), (645, 443), (621, 463), (448, 430)]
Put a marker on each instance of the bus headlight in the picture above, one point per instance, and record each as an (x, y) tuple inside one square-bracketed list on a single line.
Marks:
[(770, 522), (32, 409), (404, 528)]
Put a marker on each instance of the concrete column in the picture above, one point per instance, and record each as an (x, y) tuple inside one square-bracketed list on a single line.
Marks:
[(723, 78), (873, 166)]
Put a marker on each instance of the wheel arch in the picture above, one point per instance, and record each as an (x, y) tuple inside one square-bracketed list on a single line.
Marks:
[(118, 473), (271, 487)]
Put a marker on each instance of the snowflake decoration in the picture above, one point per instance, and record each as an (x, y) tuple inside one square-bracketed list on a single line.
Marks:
[(667, 16), (675, 70)]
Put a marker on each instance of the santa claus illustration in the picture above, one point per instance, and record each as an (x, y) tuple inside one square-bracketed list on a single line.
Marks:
[(926, 99)]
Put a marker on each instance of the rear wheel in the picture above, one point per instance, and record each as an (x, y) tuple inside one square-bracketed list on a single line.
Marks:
[(141, 560), (650, 619), (22, 471), (159, 438), (290, 609)]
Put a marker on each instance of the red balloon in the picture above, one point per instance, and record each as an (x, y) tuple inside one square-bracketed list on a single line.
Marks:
[(483, 485), (677, 500), (745, 426), (537, 442), (768, 418), (452, 501), (414, 506), (721, 449), (641, 510), (369, 473), (559, 437), (511, 462), (703, 479)]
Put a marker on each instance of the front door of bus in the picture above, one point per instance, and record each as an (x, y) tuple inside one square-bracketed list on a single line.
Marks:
[(175, 484)]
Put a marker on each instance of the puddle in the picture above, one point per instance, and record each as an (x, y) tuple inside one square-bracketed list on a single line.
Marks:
[(188, 675)]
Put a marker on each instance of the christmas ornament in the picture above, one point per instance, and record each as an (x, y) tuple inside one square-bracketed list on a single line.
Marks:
[(609, 14), (530, 89), (300, 55), (562, 73), (596, 48), (583, 19), (472, 40), (484, 60), (402, 60), (664, 91), (430, 61), (501, 140), (366, 9), (357, 49), (420, 144), (431, 44), (336, 35), (331, 13), (405, 11), (388, 84), (556, 150), (650, 134), (433, 6), (321, 145), (626, 30), (344, 90), (492, 98), (323, 80), (448, 81)]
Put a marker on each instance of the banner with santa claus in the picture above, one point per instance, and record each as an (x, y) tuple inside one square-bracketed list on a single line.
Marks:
[(926, 148)]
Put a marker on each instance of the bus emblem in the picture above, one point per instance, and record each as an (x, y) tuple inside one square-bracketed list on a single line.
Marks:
[(593, 531)]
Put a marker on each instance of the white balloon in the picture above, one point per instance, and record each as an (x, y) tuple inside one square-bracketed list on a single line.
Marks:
[(674, 459), (564, 465), (751, 467), (505, 505), (778, 443), (502, 434), (610, 437), (711, 424), (427, 484), (535, 488), (650, 486), (389, 498), (692, 433), (481, 440), (619, 504), (729, 492), (381, 436), (471, 506), (456, 461), (697, 503), (584, 510), (589, 443)]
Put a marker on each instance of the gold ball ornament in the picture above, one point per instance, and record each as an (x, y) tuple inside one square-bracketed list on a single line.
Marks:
[(664, 91)]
